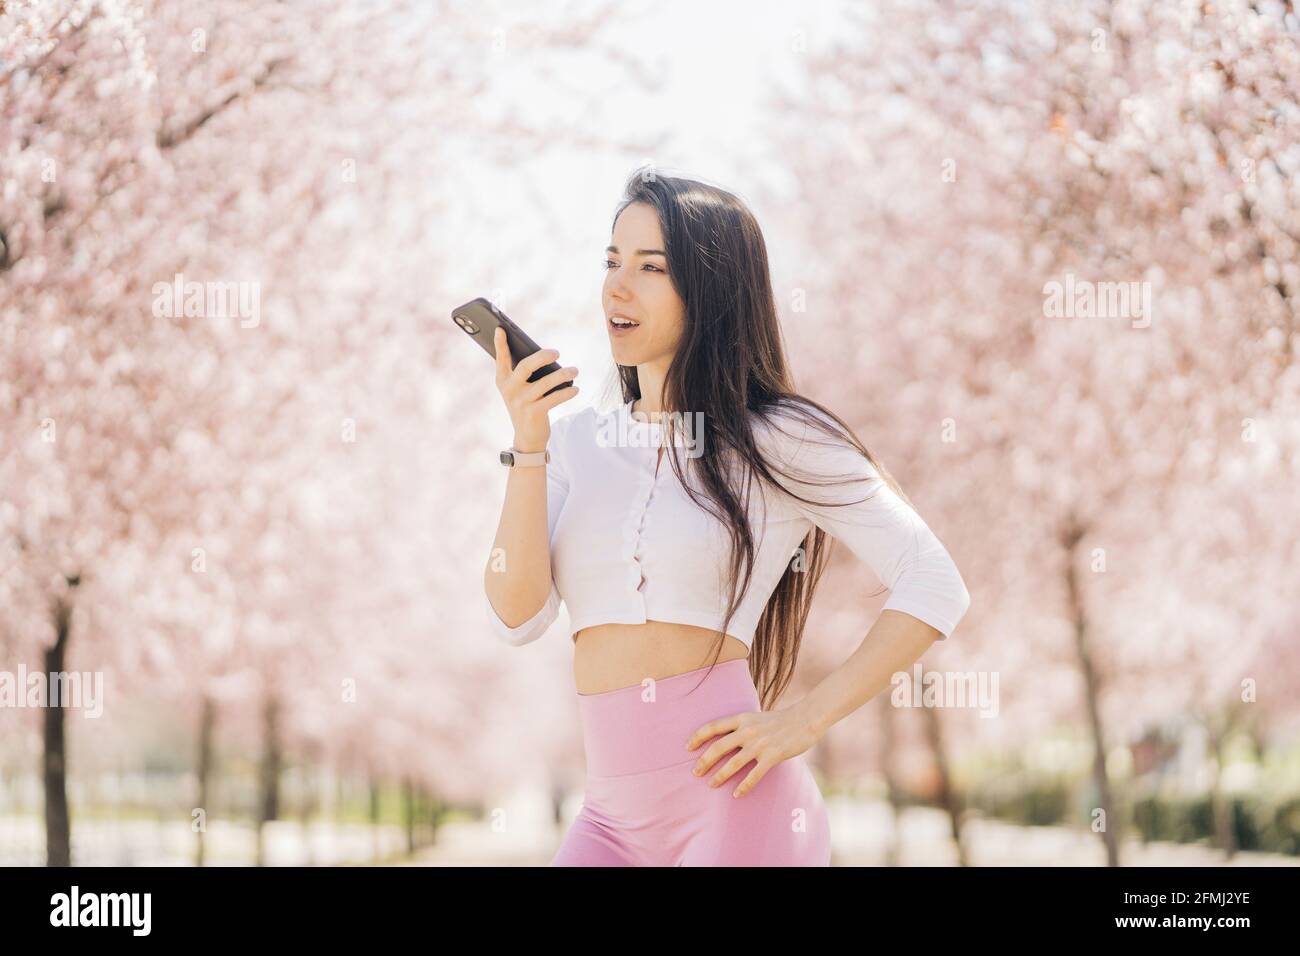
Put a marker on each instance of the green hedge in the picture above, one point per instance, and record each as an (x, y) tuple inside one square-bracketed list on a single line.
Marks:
[(1257, 824), (1043, 804), (1260, 824)]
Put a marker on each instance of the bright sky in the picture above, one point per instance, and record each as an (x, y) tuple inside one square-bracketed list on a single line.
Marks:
[(717, 62)]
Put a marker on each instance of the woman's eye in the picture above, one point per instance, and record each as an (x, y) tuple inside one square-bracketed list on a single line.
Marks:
[(610, 263)]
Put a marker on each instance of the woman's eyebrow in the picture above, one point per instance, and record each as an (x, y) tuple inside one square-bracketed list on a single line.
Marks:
[(641, 252)]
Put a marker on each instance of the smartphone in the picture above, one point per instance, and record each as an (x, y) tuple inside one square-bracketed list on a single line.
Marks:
[(479, 319)]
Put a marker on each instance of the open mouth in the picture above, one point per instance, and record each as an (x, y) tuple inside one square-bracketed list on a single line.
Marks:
[(621, 324)]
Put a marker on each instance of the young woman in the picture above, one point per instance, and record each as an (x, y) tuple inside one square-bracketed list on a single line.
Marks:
[(688, 584)]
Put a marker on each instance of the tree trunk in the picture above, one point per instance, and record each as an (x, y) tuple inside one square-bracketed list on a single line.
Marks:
[(306, 807), (948, 797), (1092, 691), (374, 819), (58, 836), (889, 747), (408, 813), (207, 723), (270, 783), (421, 813), (1224, 834)]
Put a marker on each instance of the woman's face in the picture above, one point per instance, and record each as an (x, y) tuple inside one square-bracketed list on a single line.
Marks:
[(637, 287)]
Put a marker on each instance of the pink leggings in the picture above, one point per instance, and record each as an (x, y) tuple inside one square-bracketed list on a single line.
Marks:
[(642, 805)]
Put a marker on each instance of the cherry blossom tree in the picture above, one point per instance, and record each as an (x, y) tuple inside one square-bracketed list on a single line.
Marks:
[(210, 485), (955, 168)]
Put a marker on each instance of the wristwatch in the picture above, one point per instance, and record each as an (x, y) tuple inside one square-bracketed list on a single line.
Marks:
[(513, 459)]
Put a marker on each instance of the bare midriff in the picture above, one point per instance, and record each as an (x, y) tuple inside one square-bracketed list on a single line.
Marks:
[(612, 656)]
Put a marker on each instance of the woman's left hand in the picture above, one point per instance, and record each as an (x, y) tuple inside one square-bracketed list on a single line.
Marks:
[(767, 737)]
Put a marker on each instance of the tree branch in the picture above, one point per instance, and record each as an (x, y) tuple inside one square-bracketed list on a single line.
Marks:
[(171, 138)]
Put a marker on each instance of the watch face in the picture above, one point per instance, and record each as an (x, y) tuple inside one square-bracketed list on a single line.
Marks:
[(507, 458)]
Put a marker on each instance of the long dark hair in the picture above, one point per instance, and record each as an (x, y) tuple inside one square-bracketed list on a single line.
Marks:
[(731, 366)]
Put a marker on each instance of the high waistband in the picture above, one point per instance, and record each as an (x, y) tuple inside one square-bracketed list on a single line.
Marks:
[(646, 726)]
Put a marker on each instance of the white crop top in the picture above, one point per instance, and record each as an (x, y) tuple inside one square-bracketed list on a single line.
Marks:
[(628, 545)]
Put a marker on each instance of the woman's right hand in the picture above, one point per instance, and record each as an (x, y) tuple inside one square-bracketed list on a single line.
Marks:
[(527, 401)]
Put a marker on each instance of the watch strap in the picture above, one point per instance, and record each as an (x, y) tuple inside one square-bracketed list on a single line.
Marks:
[(512, 458)]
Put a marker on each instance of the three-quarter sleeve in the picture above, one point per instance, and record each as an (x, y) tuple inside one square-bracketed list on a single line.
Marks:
[(557, 490), (877, 525)]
